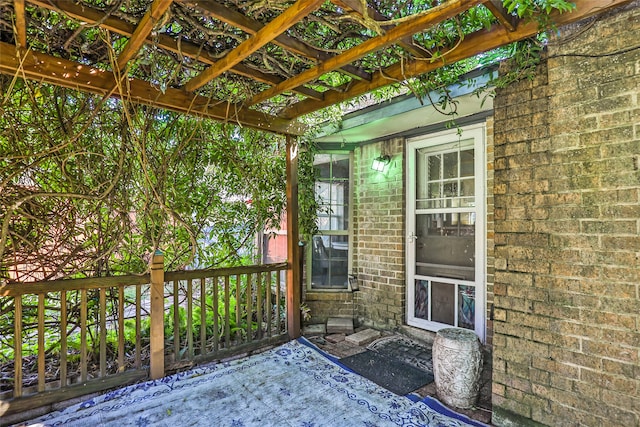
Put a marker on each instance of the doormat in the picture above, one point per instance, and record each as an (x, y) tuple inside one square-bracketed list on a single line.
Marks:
[(406, 350), (390, 373)]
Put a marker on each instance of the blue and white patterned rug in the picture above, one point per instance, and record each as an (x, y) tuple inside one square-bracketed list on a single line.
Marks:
[(295, 384)]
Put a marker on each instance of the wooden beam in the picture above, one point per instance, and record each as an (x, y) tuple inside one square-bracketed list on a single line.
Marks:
[(279, 25), (87, 14), (248, 25), (21, 23), (17, 347), (145, 26), (497, 9), (472, 45), (293, 249), (61, 72), (191, 50), (416, 24), (356, 6), (273, 79)]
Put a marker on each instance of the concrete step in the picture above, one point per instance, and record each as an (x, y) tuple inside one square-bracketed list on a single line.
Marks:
[(340, 325), (316, 329), (363, 337)]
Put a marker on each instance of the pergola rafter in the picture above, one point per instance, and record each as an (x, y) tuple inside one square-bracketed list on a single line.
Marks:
[(250, 26), (142, 31), (474, 44), (191, 50), (61, 72), (265, 35), (278, 62), (412, 26)]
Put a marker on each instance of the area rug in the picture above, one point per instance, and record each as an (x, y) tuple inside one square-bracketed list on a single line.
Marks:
[(388, 372), (292, 385)]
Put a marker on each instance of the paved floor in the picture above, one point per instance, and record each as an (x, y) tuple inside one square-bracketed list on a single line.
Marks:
[(416, 353)]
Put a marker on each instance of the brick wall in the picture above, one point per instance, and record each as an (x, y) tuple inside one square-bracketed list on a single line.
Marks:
[(323, 305), (490, 232), (379, 211), (567, 233), (379, 235)]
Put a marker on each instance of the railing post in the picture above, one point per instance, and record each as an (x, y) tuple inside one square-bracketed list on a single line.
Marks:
[(293, 251), (157, 316)]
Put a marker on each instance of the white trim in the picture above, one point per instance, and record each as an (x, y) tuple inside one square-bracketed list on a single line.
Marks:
[(478, 133), (349, 232)]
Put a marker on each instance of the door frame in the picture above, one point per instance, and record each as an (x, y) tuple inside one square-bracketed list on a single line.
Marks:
[(478, 132)]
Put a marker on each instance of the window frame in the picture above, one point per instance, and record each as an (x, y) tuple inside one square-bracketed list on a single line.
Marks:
[(348, 232)]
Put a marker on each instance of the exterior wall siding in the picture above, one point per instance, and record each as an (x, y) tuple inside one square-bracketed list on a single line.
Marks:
[(567, 233)]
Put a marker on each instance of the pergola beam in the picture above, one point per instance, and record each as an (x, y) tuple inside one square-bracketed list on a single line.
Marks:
[(21, 23), (356, 5), (250, 26), (191, 50), (498, 10), (145, 26), (294, 272), (416, 24), (279, 25), (473, 44), (61, 72)]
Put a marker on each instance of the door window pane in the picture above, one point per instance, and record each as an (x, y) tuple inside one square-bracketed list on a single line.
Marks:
[(467, 307), (445, 180), (467, 187), (443, 302), (467, 163), (445, 245), (434, 166), (450, 189), (421, 303), (450, 165)]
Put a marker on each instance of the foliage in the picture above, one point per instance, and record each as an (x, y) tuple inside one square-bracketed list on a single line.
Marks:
[(522, 56), (307, 203), (330, 29), (531, 8), (88, 186), (196, 189)]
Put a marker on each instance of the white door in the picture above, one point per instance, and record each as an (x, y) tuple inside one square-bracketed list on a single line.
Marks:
[(446, 230)]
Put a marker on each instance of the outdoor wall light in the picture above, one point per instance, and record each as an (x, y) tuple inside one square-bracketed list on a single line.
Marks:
[(380, 162)]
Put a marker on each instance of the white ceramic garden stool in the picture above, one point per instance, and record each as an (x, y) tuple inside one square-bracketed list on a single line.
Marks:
[(457, 367)]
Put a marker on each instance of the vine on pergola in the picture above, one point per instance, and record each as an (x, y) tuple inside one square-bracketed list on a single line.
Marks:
[(89, 185)]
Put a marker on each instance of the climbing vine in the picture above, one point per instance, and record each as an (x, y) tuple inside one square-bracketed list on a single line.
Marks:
[(90, 187)]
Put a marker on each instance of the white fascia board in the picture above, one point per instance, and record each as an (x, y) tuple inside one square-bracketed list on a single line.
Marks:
[(405, 113)]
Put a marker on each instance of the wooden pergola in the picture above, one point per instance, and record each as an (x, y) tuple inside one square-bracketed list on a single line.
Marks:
[(263, 51), (385, 50)]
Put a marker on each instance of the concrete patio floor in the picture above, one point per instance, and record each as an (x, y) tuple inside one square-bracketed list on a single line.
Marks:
[(338, 346)]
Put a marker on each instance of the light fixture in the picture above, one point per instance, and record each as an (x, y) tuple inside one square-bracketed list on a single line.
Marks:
[(380, 162), (353, 282)]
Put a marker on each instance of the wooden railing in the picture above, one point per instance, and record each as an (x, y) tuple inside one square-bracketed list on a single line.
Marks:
[(75, 337)]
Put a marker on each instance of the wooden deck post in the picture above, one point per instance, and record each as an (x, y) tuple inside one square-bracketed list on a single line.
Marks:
[(157, 316), (293, 252)]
